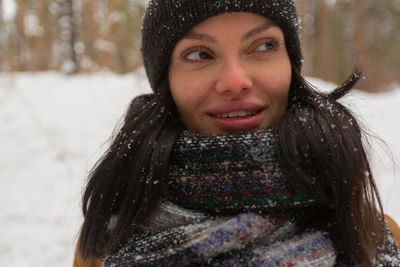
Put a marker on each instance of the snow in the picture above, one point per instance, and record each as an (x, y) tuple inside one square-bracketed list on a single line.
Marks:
[(54, 127)]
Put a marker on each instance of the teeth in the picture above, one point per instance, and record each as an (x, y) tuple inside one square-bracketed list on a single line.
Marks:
[(236, 114)]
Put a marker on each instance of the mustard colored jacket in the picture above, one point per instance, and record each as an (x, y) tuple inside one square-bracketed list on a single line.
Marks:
[(79, 262)]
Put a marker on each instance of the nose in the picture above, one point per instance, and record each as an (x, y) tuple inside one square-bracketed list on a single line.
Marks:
[(233, 79)]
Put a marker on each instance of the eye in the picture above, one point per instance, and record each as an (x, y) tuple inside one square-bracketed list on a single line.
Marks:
[(266, 45), (197, 55)]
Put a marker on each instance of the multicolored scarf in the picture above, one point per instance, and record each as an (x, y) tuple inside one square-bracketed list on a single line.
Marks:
[(230, 206)]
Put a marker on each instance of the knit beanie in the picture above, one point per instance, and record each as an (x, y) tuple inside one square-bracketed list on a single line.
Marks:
[(167, 21)]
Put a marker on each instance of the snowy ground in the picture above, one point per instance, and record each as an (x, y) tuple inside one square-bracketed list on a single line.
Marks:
[(53, 128)]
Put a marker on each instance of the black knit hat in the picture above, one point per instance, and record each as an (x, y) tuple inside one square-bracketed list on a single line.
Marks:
[(167, 21)]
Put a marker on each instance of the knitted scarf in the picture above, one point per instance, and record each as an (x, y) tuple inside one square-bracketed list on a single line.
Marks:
[(230, 206)]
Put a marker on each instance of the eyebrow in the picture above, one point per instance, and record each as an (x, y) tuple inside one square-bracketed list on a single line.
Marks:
[(208, 38), (257, 30), (200, 37)]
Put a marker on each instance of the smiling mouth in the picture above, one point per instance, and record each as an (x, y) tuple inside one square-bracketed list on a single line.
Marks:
[(236, 114)]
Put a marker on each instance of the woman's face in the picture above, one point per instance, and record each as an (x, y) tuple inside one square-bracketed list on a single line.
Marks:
[(231, 72)]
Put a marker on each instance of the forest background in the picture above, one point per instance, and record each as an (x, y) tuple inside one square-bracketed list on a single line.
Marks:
[(84, 36)]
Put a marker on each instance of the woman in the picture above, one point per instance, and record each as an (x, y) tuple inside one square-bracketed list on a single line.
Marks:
[(234, 159)]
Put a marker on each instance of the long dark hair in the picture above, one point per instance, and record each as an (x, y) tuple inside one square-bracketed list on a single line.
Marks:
[(321, 148)]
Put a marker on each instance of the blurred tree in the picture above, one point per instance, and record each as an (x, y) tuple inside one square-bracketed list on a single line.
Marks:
[(360, 29), (35, 33), (49, 17), (359, 12), (103, 43), (341, 37), (126, 35), (322, 59), (88, 31), (90, 35), (307, 15), (68, 34), (382, 41), (341, 33), (43, 44), (2, 37), (22, 51)]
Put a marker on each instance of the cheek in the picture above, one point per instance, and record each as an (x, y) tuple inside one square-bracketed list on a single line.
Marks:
[(186, 93), (282, 92), (282, 81), (274, 76), (276, 84)]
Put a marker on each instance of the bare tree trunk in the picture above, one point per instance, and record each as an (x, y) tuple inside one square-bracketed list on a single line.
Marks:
[(105, 45), (2, 37), (88, 32), (323, 55), (21, 45), (307, 13), (360, 29), (42, 46), (359, 9), (303, 14), (69, 64), (34, 39), (1, 12)]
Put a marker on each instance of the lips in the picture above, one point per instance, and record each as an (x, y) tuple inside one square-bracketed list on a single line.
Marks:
[(236, 116)]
